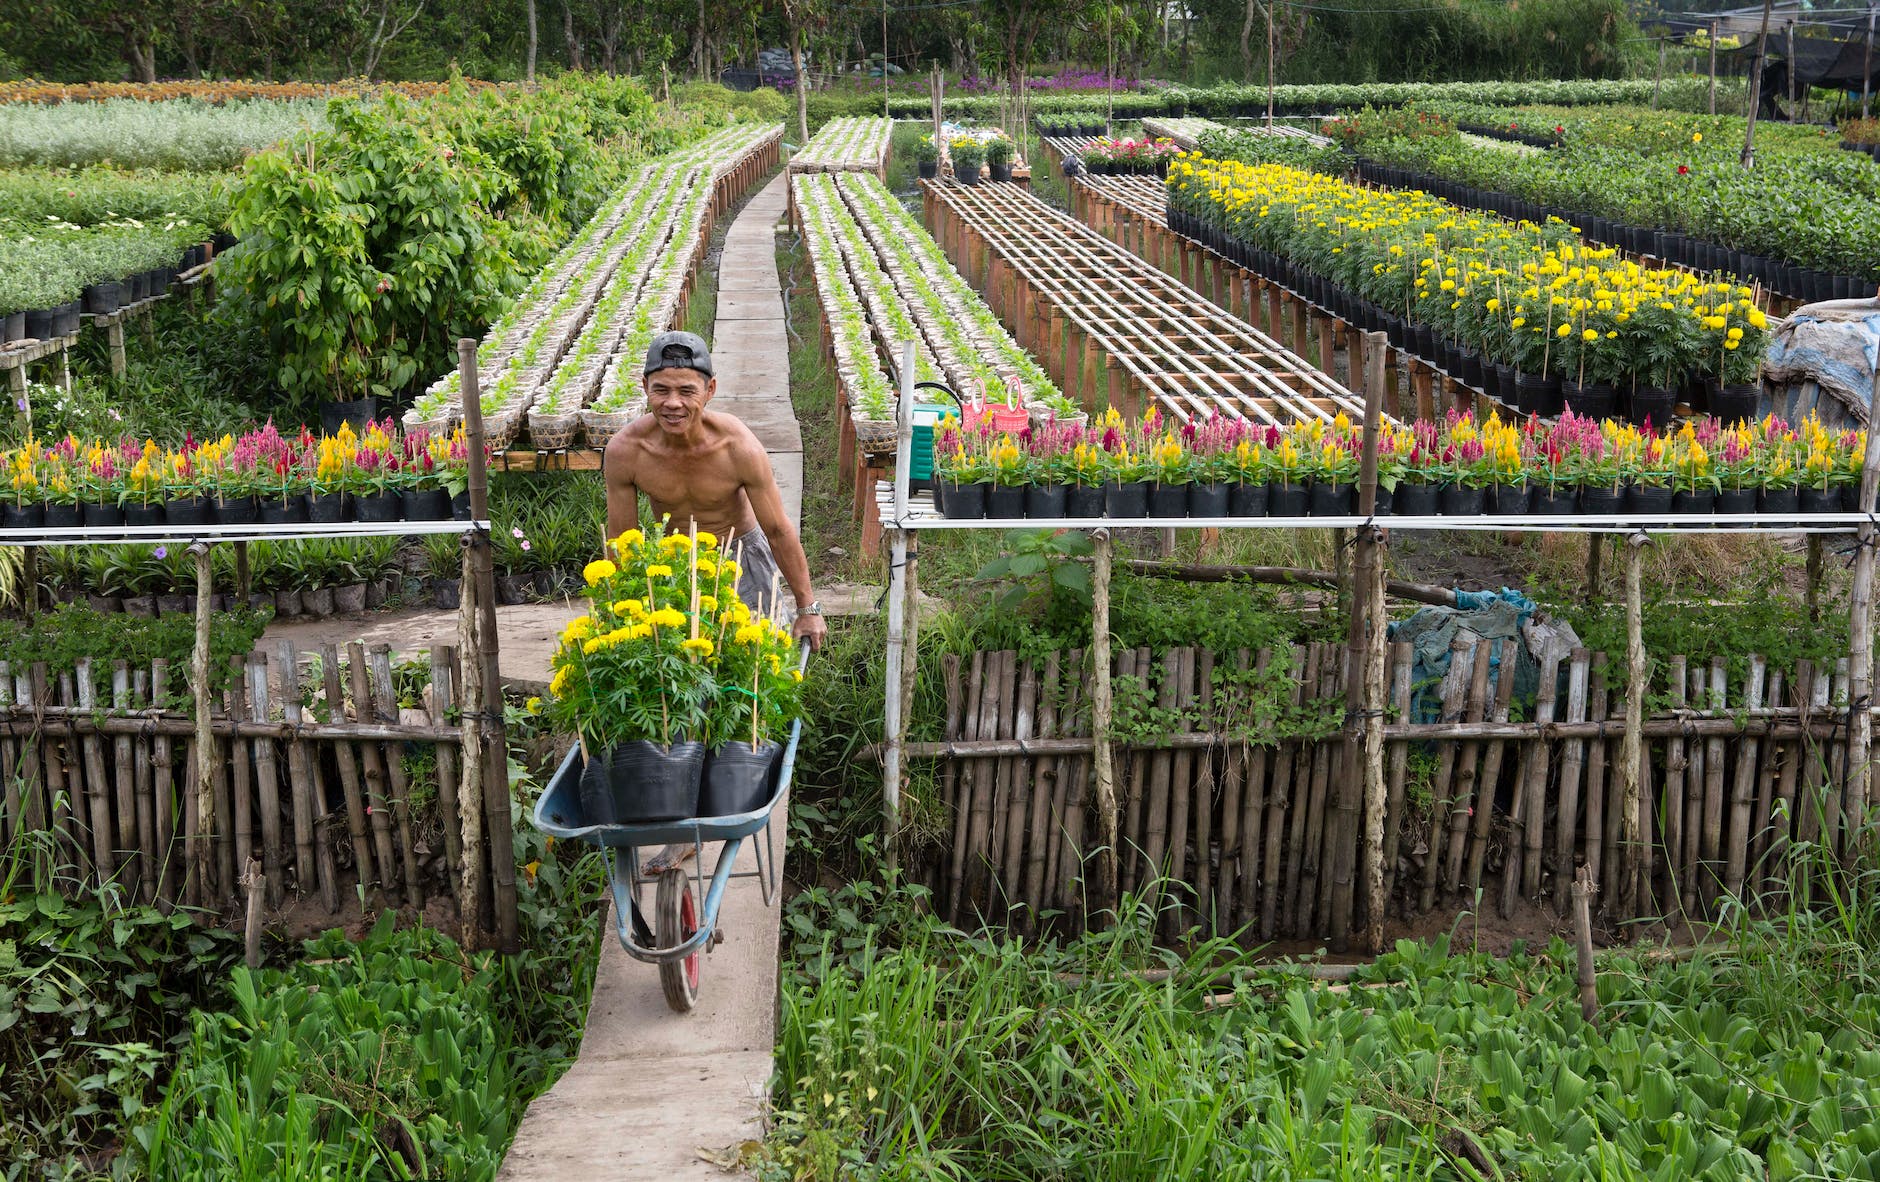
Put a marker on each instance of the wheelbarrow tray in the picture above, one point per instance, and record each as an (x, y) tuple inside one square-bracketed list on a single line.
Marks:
[(558, 812)]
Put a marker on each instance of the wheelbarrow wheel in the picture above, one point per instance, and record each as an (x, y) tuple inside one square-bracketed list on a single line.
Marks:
[(678, 920)]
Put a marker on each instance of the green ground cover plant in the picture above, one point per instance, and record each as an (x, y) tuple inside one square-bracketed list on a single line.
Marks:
[(182, 135)]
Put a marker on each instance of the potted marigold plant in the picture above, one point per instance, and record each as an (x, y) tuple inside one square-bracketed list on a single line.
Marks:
[(633, 678), (927, 157), (1000, 152), (966, 154), (759, 696)]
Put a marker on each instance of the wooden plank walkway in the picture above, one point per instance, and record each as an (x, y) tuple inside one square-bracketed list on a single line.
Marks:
[(1112, 327)]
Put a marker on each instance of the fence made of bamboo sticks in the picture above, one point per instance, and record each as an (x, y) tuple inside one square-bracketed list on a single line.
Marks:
[(1241, 828), (310, 784)]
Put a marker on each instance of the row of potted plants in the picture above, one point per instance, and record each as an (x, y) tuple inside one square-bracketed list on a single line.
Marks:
[(970, 343), (1526, 311), (1129, 157), (681, 693), (846, 144), (1456, 466), (260, 477), (1805, 224), (965, 152)]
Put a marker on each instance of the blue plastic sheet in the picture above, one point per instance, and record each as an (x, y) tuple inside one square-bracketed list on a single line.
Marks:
[(1495, 616)]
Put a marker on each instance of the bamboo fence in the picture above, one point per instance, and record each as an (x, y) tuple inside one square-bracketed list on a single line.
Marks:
[(309, 781), (1241, 828)]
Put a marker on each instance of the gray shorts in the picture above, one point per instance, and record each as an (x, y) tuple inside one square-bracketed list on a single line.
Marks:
[(757, 571)]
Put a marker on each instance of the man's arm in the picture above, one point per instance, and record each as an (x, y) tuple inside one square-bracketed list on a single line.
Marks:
[(623, 498), (760, 487)]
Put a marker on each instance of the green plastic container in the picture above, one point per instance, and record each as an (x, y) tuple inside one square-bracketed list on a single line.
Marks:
[(927, 416)]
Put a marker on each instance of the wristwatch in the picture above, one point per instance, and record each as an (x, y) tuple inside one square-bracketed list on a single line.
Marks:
[(813, 608)]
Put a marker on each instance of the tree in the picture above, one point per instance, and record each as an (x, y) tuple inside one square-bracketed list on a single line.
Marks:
[(799, 16), (534, 38)]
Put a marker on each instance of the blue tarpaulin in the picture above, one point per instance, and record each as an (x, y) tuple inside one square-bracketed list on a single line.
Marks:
[(1497, 616)]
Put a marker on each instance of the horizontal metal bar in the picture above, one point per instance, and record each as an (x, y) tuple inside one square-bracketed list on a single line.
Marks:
[(145, 534)]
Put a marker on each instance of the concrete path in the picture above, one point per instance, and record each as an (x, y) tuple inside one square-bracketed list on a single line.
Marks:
[(654, 1092)]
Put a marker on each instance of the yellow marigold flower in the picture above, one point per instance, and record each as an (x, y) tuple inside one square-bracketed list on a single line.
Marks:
[(749, 634), (533, 705), (707, 538), (796, 675), (667, 617), (597, 570), (658, 570), (708, 603), (578, 629), (730, 568), (699, 645), (707, 568), (632, 537), (591, 647), (1591, 334), (1564, 330), (558, 684)]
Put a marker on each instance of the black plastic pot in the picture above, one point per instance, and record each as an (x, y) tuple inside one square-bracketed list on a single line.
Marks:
[(963, 502), (1126, 500), (1168, 500), (188, 510), (1005, 502), (1732, 404), (377, 507), (1416, 500), (1815, 500), (999, 172), (1650, 404), (291, 511), (1208, 500), (1645, 499), (648, 782), (460, 506), (30, 516), (1591, 401), (1287, 500), (1247, 500), (1333, 500), (359, 412), (1602, 502), (1510, 500), (1084, 501), (65, 517), (238, 511), (1736, 500), (446, 594), (1700, 504), (1457, 501), (104, 298), (425, 504), (929, 169), (1778, 500), (1046, 500), (1530, 393), (738, 779), (38, 324), (65, 319), (138, 513), (966, 178), (1555, 502), (12, 327), (329, 508)]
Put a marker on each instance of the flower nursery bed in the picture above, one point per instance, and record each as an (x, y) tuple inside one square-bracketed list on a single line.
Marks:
[(1113, 327), (1528, 312), (554, 360), (847, 145), (1187, 133), (1608, 474)]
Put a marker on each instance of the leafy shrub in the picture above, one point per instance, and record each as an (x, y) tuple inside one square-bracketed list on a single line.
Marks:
[(73, 632)]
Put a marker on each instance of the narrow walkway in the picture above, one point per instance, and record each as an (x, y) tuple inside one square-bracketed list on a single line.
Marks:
[(653, 1091)]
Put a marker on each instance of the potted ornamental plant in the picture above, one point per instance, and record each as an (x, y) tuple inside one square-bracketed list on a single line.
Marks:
[(1778, 475), (143, 488), (1052, 448), (1648, 474), (1251, 469), (1695, 482), (335, 476), (966, 154), (1735, 459), (100, 485), (1000, 152), (1286, 492), (1085, 475), (188, 486), (1333, 464), (63, 509), (927, 157), (1126, 478), (26, 504), (1822, 478), (1011, 470), (759, 661), (1171, 471), (961, 480), (425, 493), (380, 475)]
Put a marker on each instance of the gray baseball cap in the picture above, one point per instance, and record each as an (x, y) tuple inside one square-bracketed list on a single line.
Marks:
[(678, 350)]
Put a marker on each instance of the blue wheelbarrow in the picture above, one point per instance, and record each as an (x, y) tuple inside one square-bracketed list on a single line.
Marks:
[(685, 906)]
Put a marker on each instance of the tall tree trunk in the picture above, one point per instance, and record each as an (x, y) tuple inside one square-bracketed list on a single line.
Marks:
[(610, 37), (1246, 41), (802, 83), (567, 33), (534, 40), (700, 66)]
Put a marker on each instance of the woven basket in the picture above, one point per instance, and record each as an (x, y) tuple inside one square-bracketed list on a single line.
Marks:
[(554, 432), (874, 436), (601, 425), (499, 430)]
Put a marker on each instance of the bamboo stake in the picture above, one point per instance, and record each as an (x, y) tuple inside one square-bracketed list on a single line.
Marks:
[(378, 810), (1101, 708), (986, 786), (1222, 920), (443, 701), (1375, 799), (1315, 908), (267, 783), (469, 794), (1401, 660), (163, 790), (135, 868), (1713, 789), (308, 795), (1467, 765), (1788, 817), (1068, 861), (1743, 788), (1630, 751), (1135, 665), (1021, 787), (145, 791), (1039, 827), (1299, 805), (1698, 693), (1678, 830), (1180, 763), (13, 819), (1860, 639), (1155, 829), (385, 705), (369, 874), (235, 706), (1763, 818), (1583, 888), (1455, 688), (1279, 800), (97, 789), (1491, 769), (963, 811), (1573, 760), (1533, 837)]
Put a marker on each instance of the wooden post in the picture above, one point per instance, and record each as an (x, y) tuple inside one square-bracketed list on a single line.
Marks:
[(1811, 590), (1713, 69), (1755, 87), (1860, 642), (1631, 747), (1365, 693), (494, 769), (1583, 889), (900, 663), (469, 796), (202, 859), (1101, 707)]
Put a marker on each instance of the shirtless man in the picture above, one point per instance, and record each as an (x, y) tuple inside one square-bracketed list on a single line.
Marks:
[(696, 465)]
